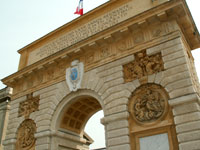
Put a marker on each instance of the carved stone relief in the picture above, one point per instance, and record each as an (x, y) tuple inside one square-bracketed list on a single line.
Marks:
[(25, 135), (28, 106), (105, 52), (143, 65), (148, 103)]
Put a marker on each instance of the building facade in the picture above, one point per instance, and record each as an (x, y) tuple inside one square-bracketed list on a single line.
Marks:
[(5, 95), (130, 58)]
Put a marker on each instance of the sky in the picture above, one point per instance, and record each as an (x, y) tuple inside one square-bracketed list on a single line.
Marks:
[(24, 21)]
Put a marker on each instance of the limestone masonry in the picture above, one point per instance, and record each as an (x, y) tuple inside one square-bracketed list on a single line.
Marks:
[(130, 58)]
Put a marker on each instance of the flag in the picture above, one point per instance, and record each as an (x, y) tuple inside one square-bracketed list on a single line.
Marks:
[(79, 9)]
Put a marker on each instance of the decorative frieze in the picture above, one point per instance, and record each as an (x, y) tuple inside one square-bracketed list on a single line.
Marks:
[(148, 103), (143, 65), (25, 135), (97, 54), (28, 106), (99, 24)]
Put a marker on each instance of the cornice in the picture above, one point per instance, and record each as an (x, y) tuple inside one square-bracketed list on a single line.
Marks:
[(167, 12)]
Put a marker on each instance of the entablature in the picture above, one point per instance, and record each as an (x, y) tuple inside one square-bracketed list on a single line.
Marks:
[(150, 28)]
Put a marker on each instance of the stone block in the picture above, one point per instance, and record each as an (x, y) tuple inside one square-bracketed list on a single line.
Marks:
[(175, 63), (176, 70), (175, 77), (189, 136), (118, 133), (136, 83), (49, 104), (99, 85), (117, 109), (116, 117), (11, 136), (158, 78), (17, 101), (121, 94), (110, 71), (43, 128), (130, 86), (42, 147), (44, 90), (166, 45), (186, 127), (118, 141), (174, 56), (103, 88), (90, 79), (43, 123), (117, 102), (10, 147), (47, 94), (195, 116), (120, 147), (182, 91), (185, 108), (43, 117), (42, 141), (14, 111), (122, 61), (172, 49), (112, 90), (119, 124), (192, 145), (178, 84), (113, 76), (151, 78), (94, 83)]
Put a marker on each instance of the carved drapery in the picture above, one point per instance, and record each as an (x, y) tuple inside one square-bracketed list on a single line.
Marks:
[(25, 135), (143, 65), (148, 103), (28, 106)]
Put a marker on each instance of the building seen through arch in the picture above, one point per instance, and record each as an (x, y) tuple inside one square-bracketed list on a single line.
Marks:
[(129, 58)]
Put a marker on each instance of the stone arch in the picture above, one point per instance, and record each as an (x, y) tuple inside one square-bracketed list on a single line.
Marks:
[(73, 112)]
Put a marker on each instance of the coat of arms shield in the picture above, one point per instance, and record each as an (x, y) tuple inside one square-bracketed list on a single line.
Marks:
[(74, 75)]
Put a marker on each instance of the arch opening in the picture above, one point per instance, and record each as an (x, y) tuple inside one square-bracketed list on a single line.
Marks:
[(71, 117), (78, 113)]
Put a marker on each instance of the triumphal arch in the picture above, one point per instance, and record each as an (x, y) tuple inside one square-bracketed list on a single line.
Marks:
[(130, 58)]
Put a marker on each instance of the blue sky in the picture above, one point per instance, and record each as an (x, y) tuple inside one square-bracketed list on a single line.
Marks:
[(24, 21)]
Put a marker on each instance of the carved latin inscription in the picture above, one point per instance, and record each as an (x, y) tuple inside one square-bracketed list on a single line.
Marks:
[(84, 31), (28, 106), (142, 66), (148, 103), (25, 136)]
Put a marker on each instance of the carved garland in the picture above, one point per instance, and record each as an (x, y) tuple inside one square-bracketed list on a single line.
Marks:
[(28, 106), (148, 103), (142, 66), (25, 135)]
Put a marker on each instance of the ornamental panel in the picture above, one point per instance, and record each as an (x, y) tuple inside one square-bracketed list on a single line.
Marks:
[(143, 65), (25, 135), (148, 103)]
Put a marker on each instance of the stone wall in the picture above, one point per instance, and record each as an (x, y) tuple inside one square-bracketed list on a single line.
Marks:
[(108, 86)]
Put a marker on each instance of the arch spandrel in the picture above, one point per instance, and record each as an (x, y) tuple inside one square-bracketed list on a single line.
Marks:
[(73, 100), (141, 45)]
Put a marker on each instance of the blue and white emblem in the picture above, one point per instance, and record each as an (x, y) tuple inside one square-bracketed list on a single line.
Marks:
[(74, 75)]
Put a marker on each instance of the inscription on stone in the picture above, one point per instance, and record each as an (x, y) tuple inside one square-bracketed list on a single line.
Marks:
[(89, 29)]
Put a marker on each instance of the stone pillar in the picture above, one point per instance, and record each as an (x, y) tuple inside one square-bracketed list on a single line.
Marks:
[(3, 112), (180, 81), (4, 108), (186, 111), (117, 131)]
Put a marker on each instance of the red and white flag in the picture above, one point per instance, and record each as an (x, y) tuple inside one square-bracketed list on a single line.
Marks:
[(79, 9)]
